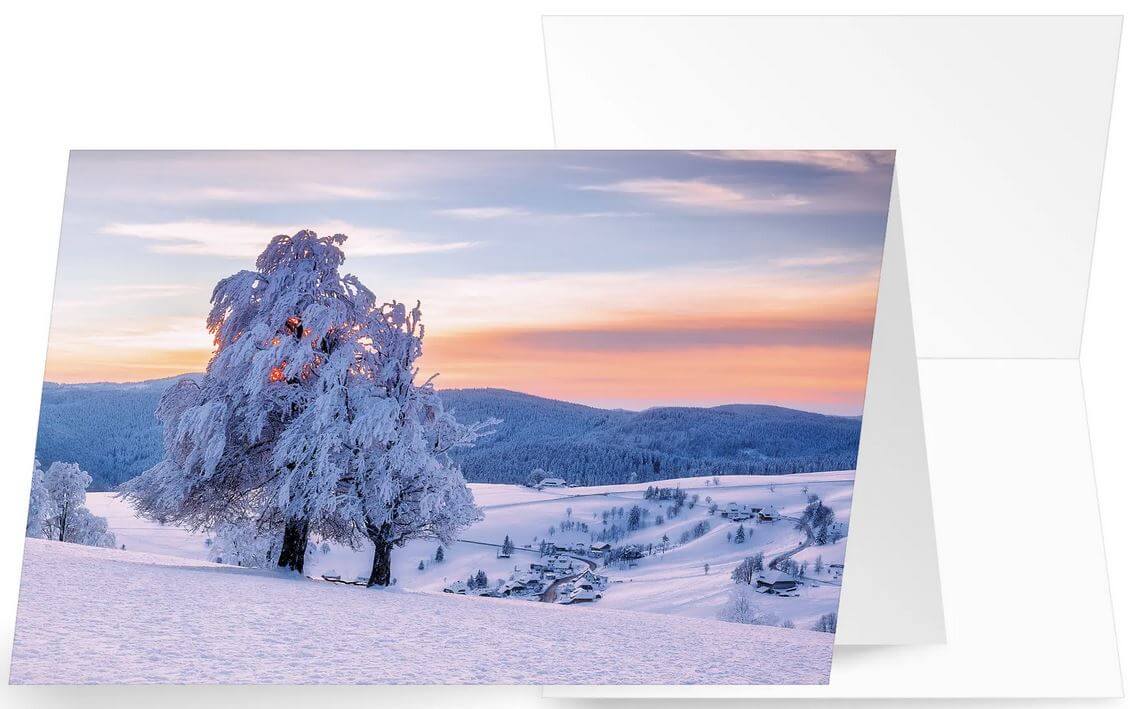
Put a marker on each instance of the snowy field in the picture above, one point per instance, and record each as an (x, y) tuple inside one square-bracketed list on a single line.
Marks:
[(675, 582), (90, 615)]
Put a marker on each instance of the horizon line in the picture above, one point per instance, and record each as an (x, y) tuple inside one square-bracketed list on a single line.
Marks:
[(511, 391)]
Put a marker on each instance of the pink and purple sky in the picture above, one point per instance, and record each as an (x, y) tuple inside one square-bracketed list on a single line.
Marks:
[(616, 279)]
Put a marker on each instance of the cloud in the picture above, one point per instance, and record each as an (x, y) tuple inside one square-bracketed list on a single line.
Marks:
[(107, 295), (281, 193), (480, 213), (829, 257), (854, 161), (232, 239), (579, 299), (490, 213), (705, 195)]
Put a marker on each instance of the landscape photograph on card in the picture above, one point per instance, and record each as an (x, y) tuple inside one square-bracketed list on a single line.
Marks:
[(451, 417)]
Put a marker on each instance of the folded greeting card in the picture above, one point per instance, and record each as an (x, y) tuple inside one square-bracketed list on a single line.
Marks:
[(538, 417)]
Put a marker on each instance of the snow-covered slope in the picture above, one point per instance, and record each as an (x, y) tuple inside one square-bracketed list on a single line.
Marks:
[(675, 582), (92, 615)]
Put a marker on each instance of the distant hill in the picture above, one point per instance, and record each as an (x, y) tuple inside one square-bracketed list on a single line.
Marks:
[(110, 430)]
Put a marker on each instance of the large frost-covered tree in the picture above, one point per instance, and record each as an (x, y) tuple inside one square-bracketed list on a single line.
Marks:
[(309, 419), (229, 455), (387, 438)]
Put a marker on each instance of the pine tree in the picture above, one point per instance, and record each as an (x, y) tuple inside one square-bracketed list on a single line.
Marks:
[(438, 554), (507, 546), (740, 535)]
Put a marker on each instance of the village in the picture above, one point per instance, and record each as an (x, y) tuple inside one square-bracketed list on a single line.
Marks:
[(556, 578), (620, 549)]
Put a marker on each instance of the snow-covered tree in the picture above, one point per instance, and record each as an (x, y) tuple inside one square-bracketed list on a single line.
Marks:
[(438, 554), (66, 488), (39, 504), (535, 476), (238, 446), (826, 623), (309, 419), (507, 546), (741, 606), (89, 529), (404, 484), (740, 535), (58, 511)]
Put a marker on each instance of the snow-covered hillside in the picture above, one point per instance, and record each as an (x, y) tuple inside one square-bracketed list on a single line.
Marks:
[(689, 579), (92, 615)]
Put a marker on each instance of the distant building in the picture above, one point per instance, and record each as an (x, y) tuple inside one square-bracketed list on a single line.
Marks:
[(552, 482), (581, 595), (777, 582), (736, 512)]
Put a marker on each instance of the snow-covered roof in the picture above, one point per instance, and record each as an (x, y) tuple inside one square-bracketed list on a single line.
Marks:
[(772, 577)]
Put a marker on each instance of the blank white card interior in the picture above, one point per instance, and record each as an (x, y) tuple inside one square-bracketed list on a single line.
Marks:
[(1000, 126)]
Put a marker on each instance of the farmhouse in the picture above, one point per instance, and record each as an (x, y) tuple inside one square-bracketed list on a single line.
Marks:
[(766, 514), (552, 482), (581, 595), (736, 512), (599, 549), (593, 580), (777, 582)]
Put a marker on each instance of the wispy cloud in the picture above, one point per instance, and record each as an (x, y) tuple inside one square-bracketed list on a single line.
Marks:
[(234, 239), (827, 257), (491, 213), (279, 194), (103, 296), (854, 161), (483, 213), (705, 195)]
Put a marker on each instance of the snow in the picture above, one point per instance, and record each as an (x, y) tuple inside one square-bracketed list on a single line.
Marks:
[(91, 615), (672, 583)]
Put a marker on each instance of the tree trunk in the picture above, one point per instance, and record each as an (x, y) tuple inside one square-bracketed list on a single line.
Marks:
[(381, 562), (295, 545)]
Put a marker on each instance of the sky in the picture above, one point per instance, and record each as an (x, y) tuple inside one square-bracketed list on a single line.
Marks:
[(615, 279)]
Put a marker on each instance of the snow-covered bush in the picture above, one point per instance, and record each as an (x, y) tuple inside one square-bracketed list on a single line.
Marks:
[(742, 606), (826, 623), (241, 544)]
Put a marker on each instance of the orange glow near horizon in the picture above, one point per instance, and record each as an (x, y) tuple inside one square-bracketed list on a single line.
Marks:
[(801, 355)]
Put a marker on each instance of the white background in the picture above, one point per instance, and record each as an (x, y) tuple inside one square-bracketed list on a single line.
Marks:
[(353, 75)]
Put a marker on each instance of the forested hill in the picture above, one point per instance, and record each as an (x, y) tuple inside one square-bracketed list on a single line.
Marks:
[(110, 430), (589, 446)]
